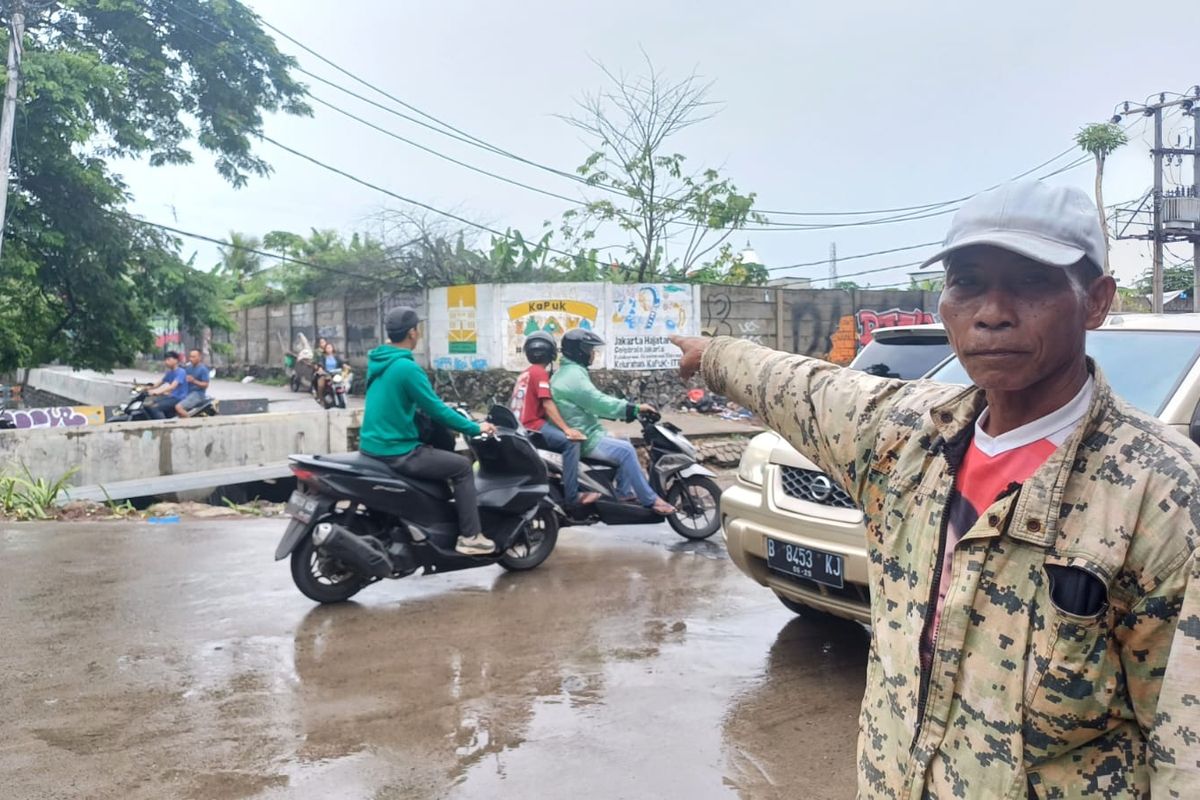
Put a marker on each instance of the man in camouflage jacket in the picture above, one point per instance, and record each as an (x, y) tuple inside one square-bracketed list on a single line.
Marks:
[(1060, 657)]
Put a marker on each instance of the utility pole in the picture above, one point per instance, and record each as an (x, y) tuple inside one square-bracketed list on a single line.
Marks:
[(1181, 222), (1156, 301), (833, 265), (16, 33), (1196, 195)]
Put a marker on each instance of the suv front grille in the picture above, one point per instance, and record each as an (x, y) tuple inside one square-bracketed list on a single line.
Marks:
[(813, 486)]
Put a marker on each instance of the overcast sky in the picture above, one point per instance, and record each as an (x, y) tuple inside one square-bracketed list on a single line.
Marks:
[(826, 106)]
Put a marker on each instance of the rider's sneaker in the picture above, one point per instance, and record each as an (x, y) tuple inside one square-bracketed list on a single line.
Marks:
[(477, 545)]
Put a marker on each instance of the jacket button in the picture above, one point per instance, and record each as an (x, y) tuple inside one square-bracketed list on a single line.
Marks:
[(993, 520), (947, 416), (1033, 526)]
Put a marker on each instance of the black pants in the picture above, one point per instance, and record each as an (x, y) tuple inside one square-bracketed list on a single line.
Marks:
[(159, 407), (431, 464)]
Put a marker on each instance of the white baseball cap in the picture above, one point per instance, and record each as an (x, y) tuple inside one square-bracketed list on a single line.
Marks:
[(1054, 225)]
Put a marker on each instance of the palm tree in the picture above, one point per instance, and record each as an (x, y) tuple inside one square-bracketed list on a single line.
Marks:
[(1100, 140), (238, 262)]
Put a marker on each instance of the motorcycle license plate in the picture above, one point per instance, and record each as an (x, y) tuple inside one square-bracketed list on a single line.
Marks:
[(301, 507), (804, 562)]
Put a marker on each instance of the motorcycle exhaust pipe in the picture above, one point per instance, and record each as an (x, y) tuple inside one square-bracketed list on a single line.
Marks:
[(363, 554)]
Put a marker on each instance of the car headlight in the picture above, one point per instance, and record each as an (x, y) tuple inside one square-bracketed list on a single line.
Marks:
[(753, 466)]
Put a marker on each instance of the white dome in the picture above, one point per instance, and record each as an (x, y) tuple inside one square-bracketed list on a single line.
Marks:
[(748, 256)]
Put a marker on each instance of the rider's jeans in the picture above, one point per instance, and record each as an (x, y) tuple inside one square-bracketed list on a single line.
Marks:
[(557, 441), (630, 479)]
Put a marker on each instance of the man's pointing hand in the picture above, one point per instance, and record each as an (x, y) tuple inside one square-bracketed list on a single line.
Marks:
[(693, 348)]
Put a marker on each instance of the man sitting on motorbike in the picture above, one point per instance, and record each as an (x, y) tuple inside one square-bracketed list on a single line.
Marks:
[(168, 392), (583, 406), (397, 388), (197, 380), (533, 404)]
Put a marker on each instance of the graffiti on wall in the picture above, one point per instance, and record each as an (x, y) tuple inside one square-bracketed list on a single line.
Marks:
[(54, 417), (832, 330), (644, 317)]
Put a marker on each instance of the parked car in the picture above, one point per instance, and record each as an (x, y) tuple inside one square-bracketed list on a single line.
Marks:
[(1151, 360), (782, 497)]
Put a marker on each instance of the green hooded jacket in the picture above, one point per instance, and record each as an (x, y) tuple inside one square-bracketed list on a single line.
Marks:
[(396, 388), (582, 405)]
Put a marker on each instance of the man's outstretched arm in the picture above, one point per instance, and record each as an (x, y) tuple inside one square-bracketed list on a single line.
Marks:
[(828, 413)]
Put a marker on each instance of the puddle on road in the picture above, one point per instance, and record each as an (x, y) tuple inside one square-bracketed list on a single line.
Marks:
[(617, 670)]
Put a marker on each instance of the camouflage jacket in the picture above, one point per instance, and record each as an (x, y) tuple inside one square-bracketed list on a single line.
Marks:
[(1023, 699)]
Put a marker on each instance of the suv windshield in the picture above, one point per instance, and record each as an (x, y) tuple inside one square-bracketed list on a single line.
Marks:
[(1143, 367), (905, 357)]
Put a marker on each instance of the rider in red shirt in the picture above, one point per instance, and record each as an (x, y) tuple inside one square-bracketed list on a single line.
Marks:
[(533, 405)]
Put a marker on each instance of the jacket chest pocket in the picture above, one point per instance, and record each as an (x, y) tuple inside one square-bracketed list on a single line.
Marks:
[(1073, 673)]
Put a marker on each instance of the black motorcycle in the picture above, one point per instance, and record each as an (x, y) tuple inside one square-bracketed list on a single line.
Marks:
[(674, 474), (354, 521), (134, 409)]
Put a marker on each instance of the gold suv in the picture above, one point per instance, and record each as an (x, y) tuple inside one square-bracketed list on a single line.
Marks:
[(793, 530), (790, 527)]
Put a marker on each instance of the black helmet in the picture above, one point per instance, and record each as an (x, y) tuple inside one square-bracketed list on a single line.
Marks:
[(579, 344), (540, 348), (400, 320)]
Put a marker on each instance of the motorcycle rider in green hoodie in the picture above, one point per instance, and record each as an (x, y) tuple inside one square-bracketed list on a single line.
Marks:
[(582, 406), (397, 387)]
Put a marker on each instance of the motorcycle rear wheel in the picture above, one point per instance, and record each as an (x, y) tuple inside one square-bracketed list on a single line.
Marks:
[(534, 544), (322, 579), (697, 507)]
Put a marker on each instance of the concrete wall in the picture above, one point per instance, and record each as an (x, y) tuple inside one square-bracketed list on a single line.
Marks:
[(828, 323), (129, 450)]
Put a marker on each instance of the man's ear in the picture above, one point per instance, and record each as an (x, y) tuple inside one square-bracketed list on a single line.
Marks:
[(1100, 296)]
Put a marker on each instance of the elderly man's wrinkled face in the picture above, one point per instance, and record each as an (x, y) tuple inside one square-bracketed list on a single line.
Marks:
[(1014, 322)]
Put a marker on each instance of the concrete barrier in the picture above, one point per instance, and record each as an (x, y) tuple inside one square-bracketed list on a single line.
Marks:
[(83, 387), (128, 450)]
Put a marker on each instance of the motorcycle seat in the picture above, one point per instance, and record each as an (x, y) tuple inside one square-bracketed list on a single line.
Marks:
[(370, 465), (600, 461)]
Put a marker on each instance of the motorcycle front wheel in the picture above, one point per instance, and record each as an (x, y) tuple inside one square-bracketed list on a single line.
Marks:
[(322, 579), (697, 507), (532, 545)]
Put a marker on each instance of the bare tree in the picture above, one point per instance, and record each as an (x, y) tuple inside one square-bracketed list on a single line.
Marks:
[(646, 190)]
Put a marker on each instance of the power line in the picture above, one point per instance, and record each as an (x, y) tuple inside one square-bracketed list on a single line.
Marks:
[(468, 138), (854, 257)]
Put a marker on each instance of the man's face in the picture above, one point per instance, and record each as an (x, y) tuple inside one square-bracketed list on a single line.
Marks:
[(194, 358), (170, 362), (1014, 322), (416, 335)]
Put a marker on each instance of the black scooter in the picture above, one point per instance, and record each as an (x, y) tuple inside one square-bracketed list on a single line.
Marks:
[(674, 474), (354, 521), (134, 409)]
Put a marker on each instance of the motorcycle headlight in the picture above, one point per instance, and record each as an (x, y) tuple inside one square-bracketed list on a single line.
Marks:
[(753, 466)]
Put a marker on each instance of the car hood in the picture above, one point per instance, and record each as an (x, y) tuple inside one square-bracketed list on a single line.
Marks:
[(783, 453)]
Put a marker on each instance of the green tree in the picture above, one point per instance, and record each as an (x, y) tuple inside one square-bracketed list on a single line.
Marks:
[(239, 263), (331, 264), (106, 79), (1176, 278), (650, 193), (1101, 140)]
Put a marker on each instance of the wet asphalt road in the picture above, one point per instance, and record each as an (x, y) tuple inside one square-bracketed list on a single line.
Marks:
[(145, 661)]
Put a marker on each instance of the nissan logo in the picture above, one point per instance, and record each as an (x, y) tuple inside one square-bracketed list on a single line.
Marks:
[(821, 488)]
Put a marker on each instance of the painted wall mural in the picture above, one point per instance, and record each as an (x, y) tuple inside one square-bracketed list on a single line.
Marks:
[(643, 318), (553, 308)]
